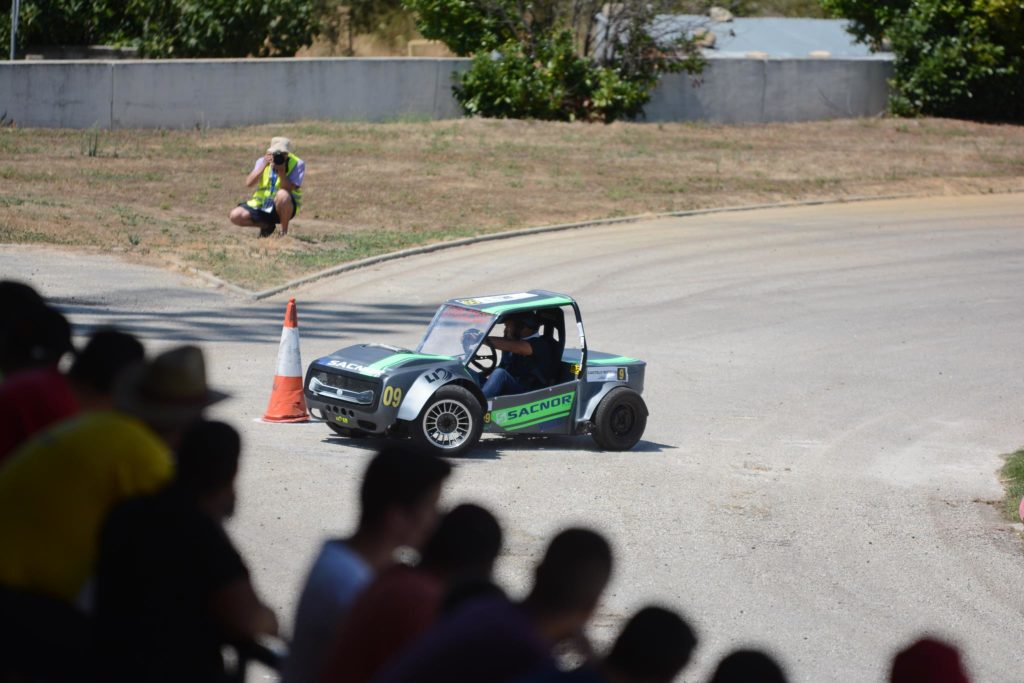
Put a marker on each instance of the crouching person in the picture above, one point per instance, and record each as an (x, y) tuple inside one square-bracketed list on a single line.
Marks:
[(277, 176)]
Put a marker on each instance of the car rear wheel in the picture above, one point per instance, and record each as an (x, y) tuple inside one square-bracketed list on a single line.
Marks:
[(620, 420), (450, 423)]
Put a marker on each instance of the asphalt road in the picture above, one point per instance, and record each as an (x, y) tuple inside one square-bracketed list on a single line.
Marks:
[(830, 389)]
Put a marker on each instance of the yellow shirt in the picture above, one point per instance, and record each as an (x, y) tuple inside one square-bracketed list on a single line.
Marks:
[(56, 491)]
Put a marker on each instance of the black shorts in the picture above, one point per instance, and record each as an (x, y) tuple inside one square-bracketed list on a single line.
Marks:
[(271, 217)]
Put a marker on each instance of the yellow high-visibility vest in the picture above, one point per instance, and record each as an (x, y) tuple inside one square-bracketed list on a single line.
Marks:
[(263, 197)]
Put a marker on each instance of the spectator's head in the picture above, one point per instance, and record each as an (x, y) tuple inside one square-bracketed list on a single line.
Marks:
[(748, 666), (32, 334), (107, 354), (928, 661), (465, 544), (399, 495), (207, 462), (653, 647), (168, 393), (569, 581)]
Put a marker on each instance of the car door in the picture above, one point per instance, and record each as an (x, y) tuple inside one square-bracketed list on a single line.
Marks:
[(550, 410)]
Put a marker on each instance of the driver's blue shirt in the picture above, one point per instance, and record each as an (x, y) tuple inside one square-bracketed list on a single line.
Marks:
[(530, 371)]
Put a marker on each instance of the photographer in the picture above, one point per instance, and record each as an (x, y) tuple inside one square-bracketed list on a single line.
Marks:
[(279, 192)]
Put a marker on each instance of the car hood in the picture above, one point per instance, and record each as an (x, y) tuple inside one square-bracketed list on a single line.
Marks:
[(376, 360)]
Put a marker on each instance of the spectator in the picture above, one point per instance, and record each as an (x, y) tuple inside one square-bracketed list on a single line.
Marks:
[(403, 602), (277, 177), (171, 589), (33, 339), (653, 647), (57, 489), (928, 661), (96, 369), (398, 501), (32, 334), (748, 666), (495, 640), (34, 399)]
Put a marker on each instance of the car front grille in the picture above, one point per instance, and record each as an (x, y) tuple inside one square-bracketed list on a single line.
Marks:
[(342, 387)]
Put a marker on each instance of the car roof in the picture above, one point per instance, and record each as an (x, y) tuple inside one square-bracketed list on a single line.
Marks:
[(516, 301)]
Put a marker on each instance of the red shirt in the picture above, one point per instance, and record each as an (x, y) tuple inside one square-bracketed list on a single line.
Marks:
[(31, 400), (400, 605)]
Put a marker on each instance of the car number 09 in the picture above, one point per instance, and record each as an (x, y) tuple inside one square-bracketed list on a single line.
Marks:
[(392, 396)]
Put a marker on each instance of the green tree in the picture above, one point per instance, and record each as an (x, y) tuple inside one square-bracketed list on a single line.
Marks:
[(557, 59), (468, 26), (171, 28), (959, 58)]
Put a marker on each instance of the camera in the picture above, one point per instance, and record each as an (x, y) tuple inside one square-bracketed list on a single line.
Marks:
[(280, 157)]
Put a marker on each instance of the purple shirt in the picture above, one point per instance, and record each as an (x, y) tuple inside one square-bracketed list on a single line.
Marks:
[(490, 640)]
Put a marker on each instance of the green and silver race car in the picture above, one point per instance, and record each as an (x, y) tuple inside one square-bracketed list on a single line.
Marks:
[(433, 394)]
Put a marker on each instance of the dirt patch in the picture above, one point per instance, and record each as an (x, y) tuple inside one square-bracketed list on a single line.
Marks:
[(373, 188)]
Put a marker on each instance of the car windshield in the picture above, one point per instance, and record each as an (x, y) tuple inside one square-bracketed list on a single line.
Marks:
[(455, 331)]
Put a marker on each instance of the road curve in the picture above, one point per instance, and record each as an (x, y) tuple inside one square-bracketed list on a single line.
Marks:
[(830, 388)]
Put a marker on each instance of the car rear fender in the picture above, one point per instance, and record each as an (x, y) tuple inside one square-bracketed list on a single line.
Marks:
[(429, 382), (591, 395)]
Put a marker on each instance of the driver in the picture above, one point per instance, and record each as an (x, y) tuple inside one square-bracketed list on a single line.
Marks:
[(525, 360)]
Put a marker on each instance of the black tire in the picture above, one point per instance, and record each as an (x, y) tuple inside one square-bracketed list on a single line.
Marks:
[(619, 420), (450, 423), (347, 431)]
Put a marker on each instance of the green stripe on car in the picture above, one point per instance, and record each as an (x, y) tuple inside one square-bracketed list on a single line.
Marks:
[(547, 418), (399, 358), (618, 360), (528, 304)]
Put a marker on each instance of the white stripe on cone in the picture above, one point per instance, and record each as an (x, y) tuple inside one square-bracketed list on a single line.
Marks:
[(289, 362)]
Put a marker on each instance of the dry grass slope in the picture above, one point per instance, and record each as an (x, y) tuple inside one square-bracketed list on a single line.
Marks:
[(372, 188)]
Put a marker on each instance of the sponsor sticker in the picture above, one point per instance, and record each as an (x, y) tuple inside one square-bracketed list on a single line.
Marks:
[(355, 367), (438, 375), (607, 374), (498, 299), (529, 414), (341, 418)]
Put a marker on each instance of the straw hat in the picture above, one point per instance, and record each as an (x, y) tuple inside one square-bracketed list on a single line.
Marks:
[(170, 391), (280, 145)]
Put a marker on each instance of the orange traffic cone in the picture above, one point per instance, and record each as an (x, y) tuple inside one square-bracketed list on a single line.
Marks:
[(287, 404)]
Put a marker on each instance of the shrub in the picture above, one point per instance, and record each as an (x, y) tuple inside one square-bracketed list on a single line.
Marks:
[(171, 28), (551, 60), (552, 83), (960, 59)]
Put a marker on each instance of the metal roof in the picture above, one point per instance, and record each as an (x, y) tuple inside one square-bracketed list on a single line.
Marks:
[(773, 36), (497, 304)]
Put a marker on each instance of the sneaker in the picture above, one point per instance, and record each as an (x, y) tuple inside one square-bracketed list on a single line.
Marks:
[(267, 230)]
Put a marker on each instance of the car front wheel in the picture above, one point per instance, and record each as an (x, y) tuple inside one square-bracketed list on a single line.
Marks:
[(620, 420), (450, 423)]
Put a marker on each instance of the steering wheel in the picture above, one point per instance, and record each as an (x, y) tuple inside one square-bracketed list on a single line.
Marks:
[(484, 359)]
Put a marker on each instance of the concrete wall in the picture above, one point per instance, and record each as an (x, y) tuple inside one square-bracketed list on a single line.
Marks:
[(218, 93), (763, 90)]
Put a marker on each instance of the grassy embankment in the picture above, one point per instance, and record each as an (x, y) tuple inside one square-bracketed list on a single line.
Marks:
[(1012, 476), (163, 196)]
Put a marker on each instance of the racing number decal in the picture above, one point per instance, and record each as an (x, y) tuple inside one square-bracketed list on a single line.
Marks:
[(392, 396)]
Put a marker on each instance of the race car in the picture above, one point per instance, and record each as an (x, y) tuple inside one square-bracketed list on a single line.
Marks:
[(432, 394)]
